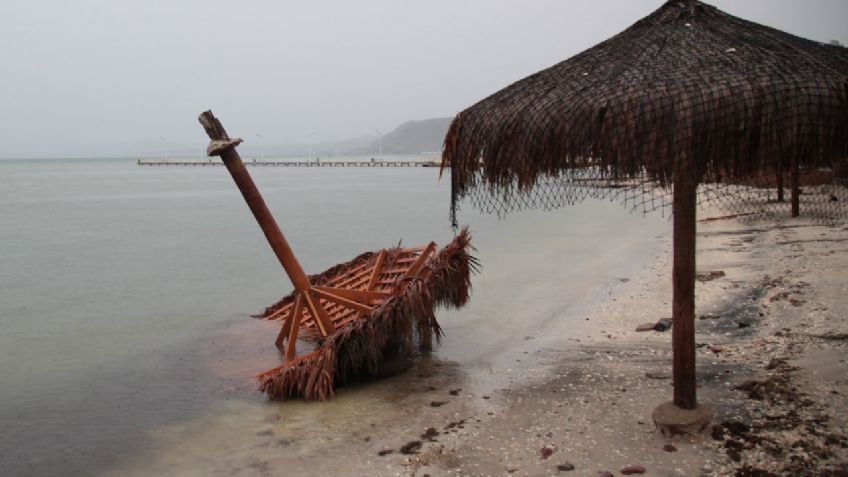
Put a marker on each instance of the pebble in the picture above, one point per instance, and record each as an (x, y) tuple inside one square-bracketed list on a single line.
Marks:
[(669, 448), (633, 469), (546, 452), (565, 466)]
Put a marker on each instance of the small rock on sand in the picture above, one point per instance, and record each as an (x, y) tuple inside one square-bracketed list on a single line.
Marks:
[(645, 327), (545, 452), (704, 277), (565, 466), (669, 448), (633, 469)]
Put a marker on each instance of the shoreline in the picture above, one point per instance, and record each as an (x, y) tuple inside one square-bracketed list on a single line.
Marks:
[(770, 344), (579, 393)]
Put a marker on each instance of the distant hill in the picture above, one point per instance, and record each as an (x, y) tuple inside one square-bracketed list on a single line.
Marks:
[(411, 137)]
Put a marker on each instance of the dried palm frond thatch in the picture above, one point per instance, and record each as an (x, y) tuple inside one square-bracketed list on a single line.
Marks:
[(402, 324), (687, 86)]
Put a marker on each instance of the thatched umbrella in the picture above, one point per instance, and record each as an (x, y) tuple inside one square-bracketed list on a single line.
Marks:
[(685, 96)]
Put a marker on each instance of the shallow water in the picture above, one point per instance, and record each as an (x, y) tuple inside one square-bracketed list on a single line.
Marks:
[(125, 293)]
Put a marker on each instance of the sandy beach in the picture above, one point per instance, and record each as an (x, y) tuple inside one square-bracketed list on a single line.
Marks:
[(771, 341)]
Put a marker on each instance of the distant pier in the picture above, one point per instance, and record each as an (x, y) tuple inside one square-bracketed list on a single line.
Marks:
[(291, 163)]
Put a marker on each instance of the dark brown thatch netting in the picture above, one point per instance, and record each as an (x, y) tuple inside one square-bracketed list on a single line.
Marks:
[(688, 89)]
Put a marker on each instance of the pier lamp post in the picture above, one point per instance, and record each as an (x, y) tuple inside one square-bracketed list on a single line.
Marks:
[(380, 138), (261, 146), (165, 142), (309, 150)]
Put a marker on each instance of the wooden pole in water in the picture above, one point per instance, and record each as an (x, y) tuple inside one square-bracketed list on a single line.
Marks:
[(683, 286), (225, 147)]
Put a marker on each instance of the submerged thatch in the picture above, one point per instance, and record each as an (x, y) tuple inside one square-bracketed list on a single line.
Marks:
[(687, 88), (401, 325)]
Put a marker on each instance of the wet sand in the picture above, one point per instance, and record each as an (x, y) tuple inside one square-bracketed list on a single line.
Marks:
[(772, 343)]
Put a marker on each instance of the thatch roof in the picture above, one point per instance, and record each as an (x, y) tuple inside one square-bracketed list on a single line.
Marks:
[(688, 84)]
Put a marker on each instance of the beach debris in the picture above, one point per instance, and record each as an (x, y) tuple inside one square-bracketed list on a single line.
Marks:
[(832, 336), (411, 447), (565, 467), (455, 392), (605, 473), (430, 434), (437, 403), (726, 217), (646, 327), (655, 375), (670, 448), (704, 277), (715, 348), (357, 312), (663, 324), (633, 469), (709, 316), (546, 452), (383, 452), (460, 424)]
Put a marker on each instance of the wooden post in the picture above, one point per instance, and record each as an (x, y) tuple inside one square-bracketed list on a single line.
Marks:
[(683, 285), (796, 190), (255, 201)]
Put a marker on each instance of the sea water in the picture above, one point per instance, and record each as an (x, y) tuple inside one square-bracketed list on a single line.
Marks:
[(126, 345)]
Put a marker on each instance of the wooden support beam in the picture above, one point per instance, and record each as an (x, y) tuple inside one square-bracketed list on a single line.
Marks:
[(362, 296), (280, 312), (325, 325), (284, 331), (378, 268), (683, 290), (222, 145), (297, 316), (353, 305), (422, 259)]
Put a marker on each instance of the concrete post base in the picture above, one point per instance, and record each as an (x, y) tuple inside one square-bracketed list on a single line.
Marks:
[(672, 420)]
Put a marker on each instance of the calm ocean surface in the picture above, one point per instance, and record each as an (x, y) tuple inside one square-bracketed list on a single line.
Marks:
[(126, 345)]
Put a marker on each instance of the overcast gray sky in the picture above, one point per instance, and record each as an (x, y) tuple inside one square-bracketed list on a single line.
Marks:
[(109, 77)]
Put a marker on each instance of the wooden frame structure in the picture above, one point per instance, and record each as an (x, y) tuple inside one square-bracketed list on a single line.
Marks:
[(349, 295)]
